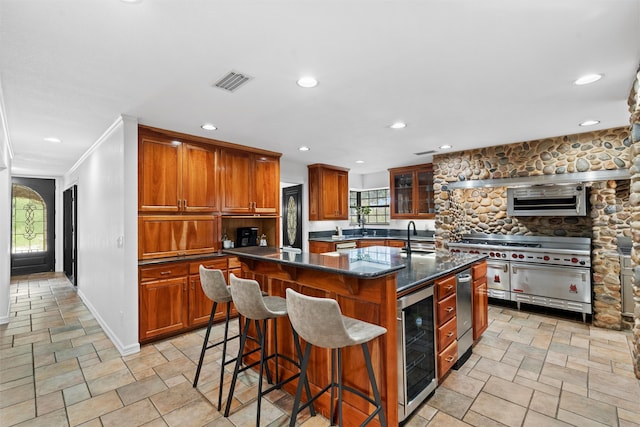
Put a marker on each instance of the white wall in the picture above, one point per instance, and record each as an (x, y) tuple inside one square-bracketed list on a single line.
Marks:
[(5, 229), (107, 181)]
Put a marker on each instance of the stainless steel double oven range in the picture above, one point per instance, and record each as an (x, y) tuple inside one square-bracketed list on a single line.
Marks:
[(541, 270)]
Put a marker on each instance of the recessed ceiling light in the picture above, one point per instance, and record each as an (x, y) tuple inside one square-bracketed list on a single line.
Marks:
[(304, 148), (208, 126), (307, 82), (131, 1), (398, 125), (53, 139), (359, 162), (586, 79), (445, 147), (589, 122)]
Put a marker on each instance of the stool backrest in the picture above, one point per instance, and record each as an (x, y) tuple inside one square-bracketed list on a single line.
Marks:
[(317, 320), (248, 299), (213, 285)]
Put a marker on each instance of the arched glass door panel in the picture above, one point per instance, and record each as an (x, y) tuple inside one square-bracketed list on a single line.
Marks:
[(32, 223)]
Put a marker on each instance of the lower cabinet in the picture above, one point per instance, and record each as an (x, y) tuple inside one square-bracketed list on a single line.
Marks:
[(171, 299), (480, 299), (446, 324)]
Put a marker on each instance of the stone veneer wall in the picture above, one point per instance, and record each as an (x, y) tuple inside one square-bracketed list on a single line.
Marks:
[(484, 209), (634, 201)]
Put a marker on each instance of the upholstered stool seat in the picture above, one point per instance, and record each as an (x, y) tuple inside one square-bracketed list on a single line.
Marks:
[(320, 322), (215, 288), (250, 303)]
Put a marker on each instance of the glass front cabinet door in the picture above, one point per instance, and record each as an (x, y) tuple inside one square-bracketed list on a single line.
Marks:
[(412, 192)]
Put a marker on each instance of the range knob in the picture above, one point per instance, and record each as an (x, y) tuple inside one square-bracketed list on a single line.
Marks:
[(582, 262), (492, 254), (520, 256), (574, 260), (546, 258), (514, 256)]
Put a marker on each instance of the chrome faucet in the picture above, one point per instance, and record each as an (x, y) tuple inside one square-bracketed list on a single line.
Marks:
[(415, 233)]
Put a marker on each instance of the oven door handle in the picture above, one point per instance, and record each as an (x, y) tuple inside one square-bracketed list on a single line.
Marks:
[(506, 268), (514, 269)]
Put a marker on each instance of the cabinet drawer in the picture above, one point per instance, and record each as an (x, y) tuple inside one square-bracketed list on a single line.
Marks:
[(447, 358), (445, 287), (165, 271), (446, 309), (212, 264), (479, 270), (446, 333)]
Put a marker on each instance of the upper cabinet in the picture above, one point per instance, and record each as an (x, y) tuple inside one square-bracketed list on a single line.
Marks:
[(250, 183), (412, 192), (176, 176), (328, 192)]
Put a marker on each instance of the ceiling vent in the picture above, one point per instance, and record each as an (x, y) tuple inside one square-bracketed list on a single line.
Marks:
[(232, 81), (422, 153)]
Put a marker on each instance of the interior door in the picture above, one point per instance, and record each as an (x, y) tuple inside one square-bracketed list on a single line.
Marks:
[(32, 225), (70, 225), (292, 216)]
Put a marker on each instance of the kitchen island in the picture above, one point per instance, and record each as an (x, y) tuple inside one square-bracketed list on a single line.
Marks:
[(367, 283)]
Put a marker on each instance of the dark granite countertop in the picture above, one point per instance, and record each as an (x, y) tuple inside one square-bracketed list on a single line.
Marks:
[(371, 262), (180, 258)]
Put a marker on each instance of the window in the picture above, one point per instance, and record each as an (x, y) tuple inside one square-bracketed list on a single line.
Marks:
[(377, 200), (28, 216)]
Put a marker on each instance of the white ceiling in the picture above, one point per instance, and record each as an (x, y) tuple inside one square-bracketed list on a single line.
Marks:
[(469, 73)]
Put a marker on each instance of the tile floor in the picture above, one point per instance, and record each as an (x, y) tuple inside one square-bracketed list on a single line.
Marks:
[(58, 368)]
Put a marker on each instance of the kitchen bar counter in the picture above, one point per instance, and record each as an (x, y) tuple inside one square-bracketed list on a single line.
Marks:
[(375, 261), (365, 284)]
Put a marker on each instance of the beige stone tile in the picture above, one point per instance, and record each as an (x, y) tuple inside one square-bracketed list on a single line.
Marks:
[(499, 410), (246, 415), (136, 414), (564, 374), (463, 384), (426, 411), (450, 402), (559, 359), (175, 367), (546, 404), (615, 385), (629, 405), (178, 379), (105, 368), (15, 361), (18, 413), (93, 408), (497, 369), (589, 408), (512, 392), (141, 389), (16, 395), (31, 337), (475, 419), (16, 383), (159, 422), (74, 352), (15, 373), (577, 389), (110, 382), (56, 418), (200, 412), (535, 419), (600, 354), (56, 369), (174, 398), (489, 352), (76, 393), (59, 382), (632, 417), (577, 420), (49, 403)]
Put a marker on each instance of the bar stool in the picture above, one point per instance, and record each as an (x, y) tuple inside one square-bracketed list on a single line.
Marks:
[(215, 288), (320, 322), (252, 305)]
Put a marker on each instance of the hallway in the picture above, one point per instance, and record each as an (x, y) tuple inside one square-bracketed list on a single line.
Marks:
[(58, 368)]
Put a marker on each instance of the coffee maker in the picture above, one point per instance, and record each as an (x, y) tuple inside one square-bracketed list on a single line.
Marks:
[(247, 236)]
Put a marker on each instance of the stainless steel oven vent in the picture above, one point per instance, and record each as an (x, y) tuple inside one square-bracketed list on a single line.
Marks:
[(422, 153), (232, 81)]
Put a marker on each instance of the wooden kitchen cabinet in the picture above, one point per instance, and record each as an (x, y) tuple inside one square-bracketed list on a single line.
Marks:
[(171, 299), (371, 242), (480, 300), (161, 236), (412, 192), (316, 247), (162, 303), (446, 322), (328, 192), (250, 183), (175, 176)]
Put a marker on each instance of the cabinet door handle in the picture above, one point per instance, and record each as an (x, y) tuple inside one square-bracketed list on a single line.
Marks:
[(164, 273), (184, 287), (449, 359), (448, 288), (185, 203), (450, 334), (450, 309)]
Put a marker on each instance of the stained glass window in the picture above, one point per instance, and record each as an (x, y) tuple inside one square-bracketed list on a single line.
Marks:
[(29, 221)]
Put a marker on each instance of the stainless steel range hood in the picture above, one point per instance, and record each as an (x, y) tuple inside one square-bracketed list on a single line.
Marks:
[(526, 181)]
